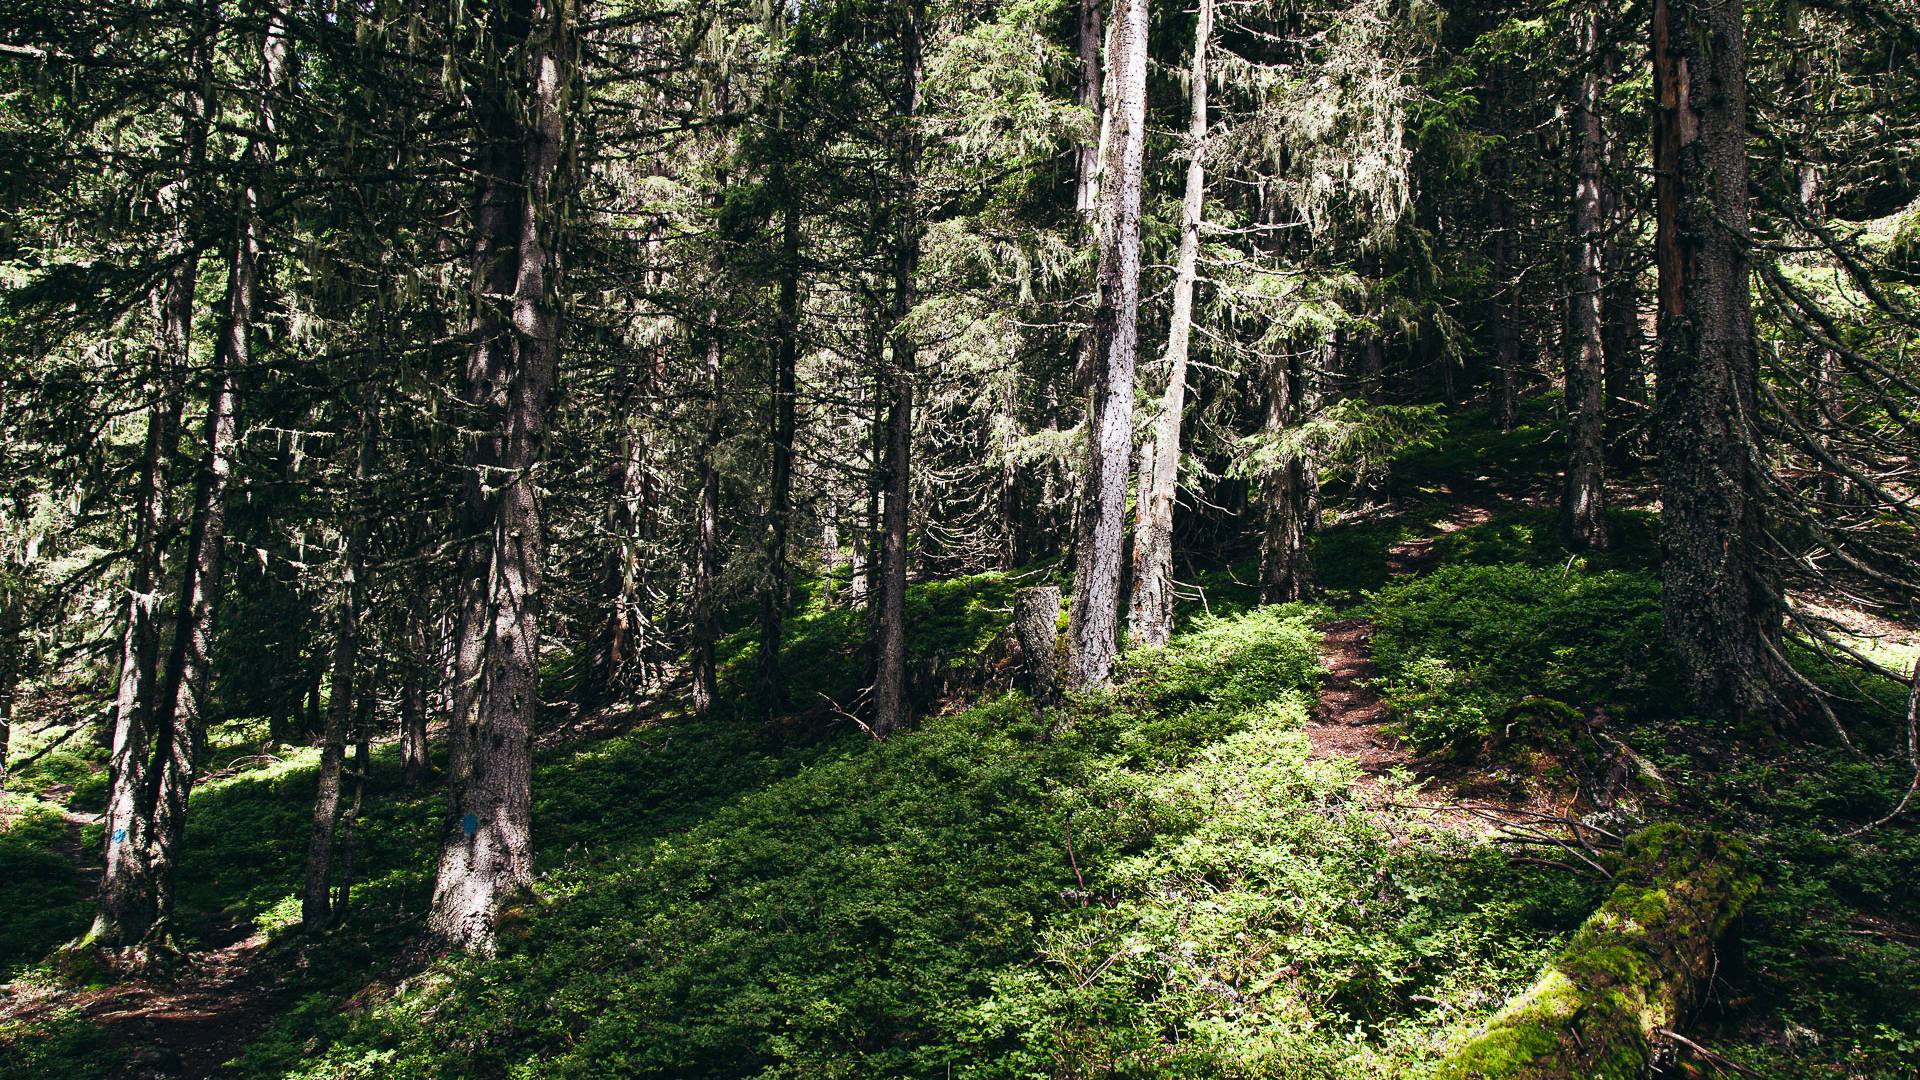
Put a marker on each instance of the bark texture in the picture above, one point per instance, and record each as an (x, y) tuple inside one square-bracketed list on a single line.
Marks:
[(1151, 613), (1631, 971), (1036, 627), (1095, 614), (1721, 600), (486, 854)]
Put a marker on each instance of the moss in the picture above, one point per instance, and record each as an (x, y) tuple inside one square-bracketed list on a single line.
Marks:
[(1628, 973)]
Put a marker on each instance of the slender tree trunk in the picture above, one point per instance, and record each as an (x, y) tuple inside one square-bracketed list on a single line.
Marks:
[(486, 856), (772, 690), (1095, 615), (1626, 375), (358, 775), (1291, 497), (123, 907), (12, 660), (315, 913), (1505, 391), (1583, 522), (1151, 616), (1722, 602), (706, 525), (420, 657), (1088, 97), (179, 714), (890, 644)]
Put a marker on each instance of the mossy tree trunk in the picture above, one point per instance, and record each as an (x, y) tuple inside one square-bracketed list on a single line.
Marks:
[(1631, 971)]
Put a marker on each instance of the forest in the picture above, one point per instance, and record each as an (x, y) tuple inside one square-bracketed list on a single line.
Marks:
[(960, 538)]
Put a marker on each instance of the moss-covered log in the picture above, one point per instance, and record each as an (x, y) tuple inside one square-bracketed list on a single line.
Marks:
[(1630, 971)]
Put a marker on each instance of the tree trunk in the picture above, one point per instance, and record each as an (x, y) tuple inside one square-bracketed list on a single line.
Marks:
[(122, 909), (1722, 603), (1087, 155), (1036, 627), (12, 659), (314, 910), (1583, 523), (1151, 615), (772, 689), (486, 854), (350, 818), (1095, 615), (1631, 971), (1505, 314), (890, 643), (178, 715), (419, 659), (1626, 377), (1291, 497)]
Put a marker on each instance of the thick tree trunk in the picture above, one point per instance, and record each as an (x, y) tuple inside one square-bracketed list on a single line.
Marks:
[(1722, 603), (178, 716), (1583, 523), (1095, 615), (1036, 627), (1630, 972), (1151, 614), (487, 849), (772, 689), (890, 643)]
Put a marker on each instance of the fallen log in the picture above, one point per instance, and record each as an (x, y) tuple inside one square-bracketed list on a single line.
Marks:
[(1631, 972)]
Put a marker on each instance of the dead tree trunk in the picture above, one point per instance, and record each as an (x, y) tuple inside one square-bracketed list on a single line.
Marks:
[(1036, 627), (1087, 156), (1095, 615), (1583, 522), (1630, 972), (486, 853), (890, 643), (1151, 614), (1722, 601)]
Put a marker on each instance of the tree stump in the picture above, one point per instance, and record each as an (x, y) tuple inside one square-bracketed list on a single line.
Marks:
[(1036, 625)]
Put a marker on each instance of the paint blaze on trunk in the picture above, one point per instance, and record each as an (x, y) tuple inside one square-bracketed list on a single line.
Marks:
[(1095, 615)]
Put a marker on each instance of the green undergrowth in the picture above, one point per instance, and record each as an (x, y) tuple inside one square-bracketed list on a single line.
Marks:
[(1154, 875), (950, 626), (42, 894), (1466, 652), (1822, 976)]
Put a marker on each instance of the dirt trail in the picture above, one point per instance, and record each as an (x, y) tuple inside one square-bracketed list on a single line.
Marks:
[(1350, 720)]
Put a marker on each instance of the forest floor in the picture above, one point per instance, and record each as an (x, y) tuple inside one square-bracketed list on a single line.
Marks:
[(748, 868)]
